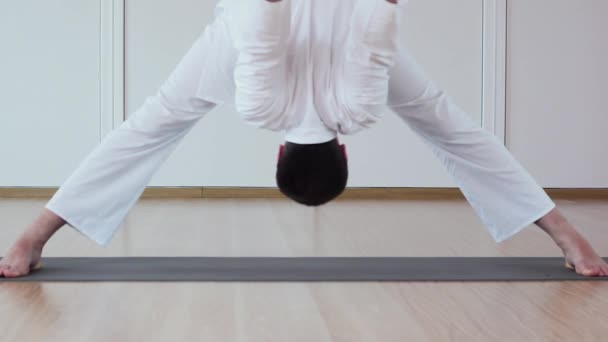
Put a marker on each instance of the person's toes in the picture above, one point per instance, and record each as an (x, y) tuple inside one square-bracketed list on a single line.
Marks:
[(8, 273), (4, 268), (589, 271), (14, 273)]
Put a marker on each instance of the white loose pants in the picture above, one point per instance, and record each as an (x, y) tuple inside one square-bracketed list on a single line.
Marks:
[(98, 195)]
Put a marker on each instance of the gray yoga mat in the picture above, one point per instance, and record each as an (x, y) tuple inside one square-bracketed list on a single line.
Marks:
[(302, 269)]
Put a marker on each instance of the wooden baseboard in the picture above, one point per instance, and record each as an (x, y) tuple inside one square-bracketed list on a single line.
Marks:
[(580, 194), (27, 192), (351, 193)]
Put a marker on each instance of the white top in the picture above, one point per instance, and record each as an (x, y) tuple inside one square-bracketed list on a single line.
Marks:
[(310, 68)]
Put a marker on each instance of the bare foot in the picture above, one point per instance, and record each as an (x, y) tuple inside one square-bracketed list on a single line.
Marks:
[(580, 255), (24, 255), (22, 258)]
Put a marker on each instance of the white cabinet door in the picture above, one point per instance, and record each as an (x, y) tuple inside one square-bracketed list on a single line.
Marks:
[(49, 94), (446, 36)]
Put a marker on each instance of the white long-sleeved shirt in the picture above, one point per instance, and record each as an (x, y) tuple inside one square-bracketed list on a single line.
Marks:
[(310, 68)]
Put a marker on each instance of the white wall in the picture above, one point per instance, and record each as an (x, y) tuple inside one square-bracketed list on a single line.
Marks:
[(49, 94), (446, 37), (51, 119), (557, 90)]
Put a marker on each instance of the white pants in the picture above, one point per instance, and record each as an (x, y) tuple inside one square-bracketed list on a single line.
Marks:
[(98, 195)]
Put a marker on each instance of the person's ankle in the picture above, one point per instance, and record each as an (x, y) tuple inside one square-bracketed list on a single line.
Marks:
[(560, 230), (569, 239), (33, 239)]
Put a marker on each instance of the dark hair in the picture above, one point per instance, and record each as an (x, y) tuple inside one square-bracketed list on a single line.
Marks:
[(312, 174)]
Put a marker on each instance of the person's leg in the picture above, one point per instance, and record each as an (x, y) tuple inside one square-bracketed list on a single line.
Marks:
[(261, 41), (370, 51), (503, 194), (97, 196)]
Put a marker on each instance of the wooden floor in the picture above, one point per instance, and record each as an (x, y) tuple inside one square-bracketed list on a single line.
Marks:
[(515, 311)]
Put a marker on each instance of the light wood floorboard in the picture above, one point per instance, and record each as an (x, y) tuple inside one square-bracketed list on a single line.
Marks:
[(429, 311)]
